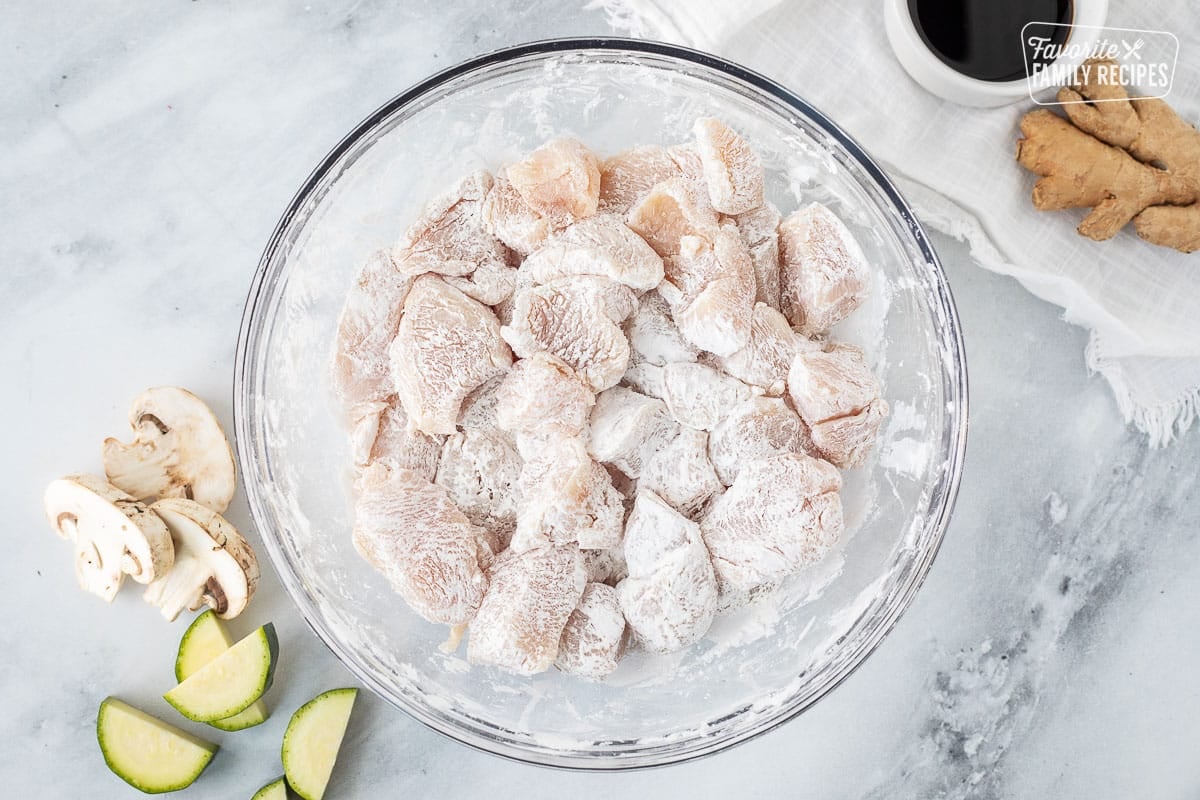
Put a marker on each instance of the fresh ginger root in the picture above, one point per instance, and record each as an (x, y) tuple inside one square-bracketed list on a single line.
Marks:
[(1126, 159)]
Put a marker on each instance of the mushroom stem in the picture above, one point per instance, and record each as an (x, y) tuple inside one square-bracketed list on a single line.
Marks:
[(179, 450), (182, 587), (145, 465), (214, 565)]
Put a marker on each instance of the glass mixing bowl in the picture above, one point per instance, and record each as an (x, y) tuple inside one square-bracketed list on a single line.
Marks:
[(758, 667)]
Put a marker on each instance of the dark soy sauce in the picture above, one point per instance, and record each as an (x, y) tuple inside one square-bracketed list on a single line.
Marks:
[(982, 38)]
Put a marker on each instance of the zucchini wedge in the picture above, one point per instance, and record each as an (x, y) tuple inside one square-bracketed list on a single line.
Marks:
[(231, 682), (146, 752), (204, 640), (275, 790), (312, 740)]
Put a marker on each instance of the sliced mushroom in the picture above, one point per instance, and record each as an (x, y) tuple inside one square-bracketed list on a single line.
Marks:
[(214, 565), (179, 451), (114, 534)]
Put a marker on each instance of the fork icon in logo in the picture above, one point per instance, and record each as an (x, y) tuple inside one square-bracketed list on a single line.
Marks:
[(1131, 50)]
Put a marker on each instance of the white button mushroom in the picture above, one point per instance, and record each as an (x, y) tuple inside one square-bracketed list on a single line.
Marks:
[(214, 565), (114, 534), (179, 451)]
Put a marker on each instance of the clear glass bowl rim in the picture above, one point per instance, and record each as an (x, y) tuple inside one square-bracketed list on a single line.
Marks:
[(245, 372)]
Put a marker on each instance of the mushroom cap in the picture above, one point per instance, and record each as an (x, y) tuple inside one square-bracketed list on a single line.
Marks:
[(179, 450), (114, 534), (230, 571)]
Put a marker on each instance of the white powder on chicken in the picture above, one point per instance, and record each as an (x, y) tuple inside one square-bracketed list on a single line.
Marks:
[(663, 439)]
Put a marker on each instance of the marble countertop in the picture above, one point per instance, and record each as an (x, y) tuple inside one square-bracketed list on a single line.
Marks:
[(146, 151)]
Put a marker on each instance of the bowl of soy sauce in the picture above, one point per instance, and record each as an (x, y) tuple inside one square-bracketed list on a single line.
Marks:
[(977, 52)]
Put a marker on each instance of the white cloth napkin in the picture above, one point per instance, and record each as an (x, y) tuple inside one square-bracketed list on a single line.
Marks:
[(956, 166)]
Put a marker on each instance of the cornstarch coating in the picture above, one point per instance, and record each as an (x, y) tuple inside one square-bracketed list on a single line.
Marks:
[(593, 402)]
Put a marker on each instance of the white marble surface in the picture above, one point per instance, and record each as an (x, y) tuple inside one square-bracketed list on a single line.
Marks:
[(145, 152)]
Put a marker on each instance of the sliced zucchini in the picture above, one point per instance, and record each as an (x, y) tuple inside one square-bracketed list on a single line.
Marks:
[(255, 714), (204, 640), (312, 740), (231, 682), (146, 752), (275, 790)]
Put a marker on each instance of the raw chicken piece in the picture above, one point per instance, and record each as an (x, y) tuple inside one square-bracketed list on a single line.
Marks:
[(625, 426), (542, 395), (823, 274), (361, 372), (719, 319), (653, 337), (710, 289), (593, 639), (605, 566), (837, 395), (559, 180), (504, 308), (688, 272), (831, 382), (731, 599), (646, 378), (768, 355), (567, 498), (781, 514), (681, 473), (616, 301), (510, 219), (628, 175), (758, 428), (732, 171), (847, 441), (479, 407), (699, 396), (409, 530), (687, 158), (545, 319), (760, 231), (393, 444), (670, 595), (669, 211), (447, 346), (491, 284), (601, 245), (449, 237), (479, 411), (480, 471), (521, 619)]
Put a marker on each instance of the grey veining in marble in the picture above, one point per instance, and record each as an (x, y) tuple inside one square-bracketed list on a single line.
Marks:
[(146, 150)]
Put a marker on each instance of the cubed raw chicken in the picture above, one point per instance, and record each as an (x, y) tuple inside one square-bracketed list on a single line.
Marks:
[(732, 171), (449, 236), (410, 531), (602, 245), (530, 598), (670, 596), (838, 397), (781, 514), (447, 346), (548, 320), (823, 275), (593, 639), (559, 180)]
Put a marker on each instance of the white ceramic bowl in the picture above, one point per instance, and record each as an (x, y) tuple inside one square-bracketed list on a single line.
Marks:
[(939, 78)]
